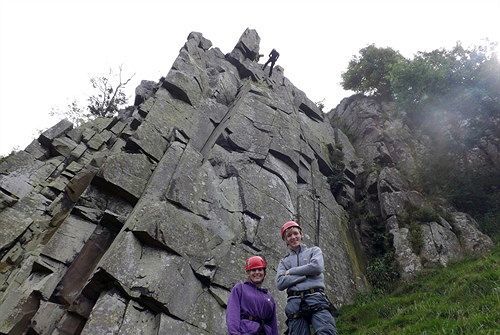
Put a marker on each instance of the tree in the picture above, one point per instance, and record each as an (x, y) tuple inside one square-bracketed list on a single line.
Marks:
[(369, 72), (432, 78), (451, 98), (320, 104), (110, 95), (74, 112), (106, 100)]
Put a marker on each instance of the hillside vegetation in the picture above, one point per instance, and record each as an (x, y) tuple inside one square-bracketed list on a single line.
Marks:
[(451, 100), (461, 299)]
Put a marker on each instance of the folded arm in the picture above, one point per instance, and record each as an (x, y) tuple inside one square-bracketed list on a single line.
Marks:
[(315, 266), (284, 281)]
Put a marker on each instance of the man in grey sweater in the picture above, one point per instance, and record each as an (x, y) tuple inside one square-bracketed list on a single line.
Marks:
[(300, 272)]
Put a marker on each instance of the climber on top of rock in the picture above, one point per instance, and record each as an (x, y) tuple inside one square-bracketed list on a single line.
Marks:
[(250, 309), (273, 57), (300, 272)]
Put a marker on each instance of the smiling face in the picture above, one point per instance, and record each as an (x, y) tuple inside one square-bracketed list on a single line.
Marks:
[(293, 237), (256, 276)]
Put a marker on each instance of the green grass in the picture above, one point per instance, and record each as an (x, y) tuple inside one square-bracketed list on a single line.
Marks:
[(463, 298)]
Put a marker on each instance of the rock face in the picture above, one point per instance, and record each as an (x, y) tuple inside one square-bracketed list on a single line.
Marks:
[(140, 224), (420, 233)]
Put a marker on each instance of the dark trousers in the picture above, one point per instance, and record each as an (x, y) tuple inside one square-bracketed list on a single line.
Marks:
[(272, 61), (322, 321)]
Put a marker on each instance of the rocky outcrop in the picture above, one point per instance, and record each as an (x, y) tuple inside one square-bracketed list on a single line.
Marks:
[(420, 233), (141, 223)]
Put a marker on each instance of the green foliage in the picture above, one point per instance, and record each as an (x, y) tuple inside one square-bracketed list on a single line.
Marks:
[(337, 178), (382, 272), (424, 213), (415, 237), (460, 82), (456, 91), (489, 223), (335, 154), (460, 299), (452, 99), (411, 80), (369, 72), (445, 214), (320, 104), (412, 219), (469, 186), (475, 192)]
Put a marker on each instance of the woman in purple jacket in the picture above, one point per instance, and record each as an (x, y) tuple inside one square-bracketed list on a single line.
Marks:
[(250, 309)]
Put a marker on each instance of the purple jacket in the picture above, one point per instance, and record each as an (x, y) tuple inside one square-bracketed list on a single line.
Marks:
[(246, 300)]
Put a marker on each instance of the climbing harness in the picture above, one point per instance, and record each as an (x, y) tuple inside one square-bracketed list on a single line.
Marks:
[(306, 311), (261, 322), (302, 294)]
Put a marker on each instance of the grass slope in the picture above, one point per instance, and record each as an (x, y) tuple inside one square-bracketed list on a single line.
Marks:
[(463, 298)]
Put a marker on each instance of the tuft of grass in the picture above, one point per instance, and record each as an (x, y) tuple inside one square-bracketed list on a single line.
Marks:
[(416, 239), (461, 299), (426, 213), (382, 272)]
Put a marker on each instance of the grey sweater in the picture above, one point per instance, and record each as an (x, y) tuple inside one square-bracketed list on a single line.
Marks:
[(306, 270)]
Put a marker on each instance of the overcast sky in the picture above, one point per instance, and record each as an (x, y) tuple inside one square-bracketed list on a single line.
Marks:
[(49, 49)]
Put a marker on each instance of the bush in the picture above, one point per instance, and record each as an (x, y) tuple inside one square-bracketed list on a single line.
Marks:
[(490, 225), (107, 97), (382, 272), (416, 239), (425, 213), (470, 186), (370, 71)]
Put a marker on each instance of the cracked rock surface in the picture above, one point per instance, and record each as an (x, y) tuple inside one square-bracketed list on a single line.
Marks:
[(140, 224)]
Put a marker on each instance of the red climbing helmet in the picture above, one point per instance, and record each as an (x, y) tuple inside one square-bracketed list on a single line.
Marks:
[(287, 225), (255, 262)]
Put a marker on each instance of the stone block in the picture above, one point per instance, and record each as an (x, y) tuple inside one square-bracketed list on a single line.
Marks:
[(138, 320), (12, 224), (64, 146), (58, 130), (128, 172), (68, 240), (107, 315), (46, 318), (6, 200)]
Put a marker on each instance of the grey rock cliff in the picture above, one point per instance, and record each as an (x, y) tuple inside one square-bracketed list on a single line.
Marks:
[(386, 151), (141, 223)]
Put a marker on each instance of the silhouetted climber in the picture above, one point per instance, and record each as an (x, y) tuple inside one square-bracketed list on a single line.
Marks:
[(273, 57)]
